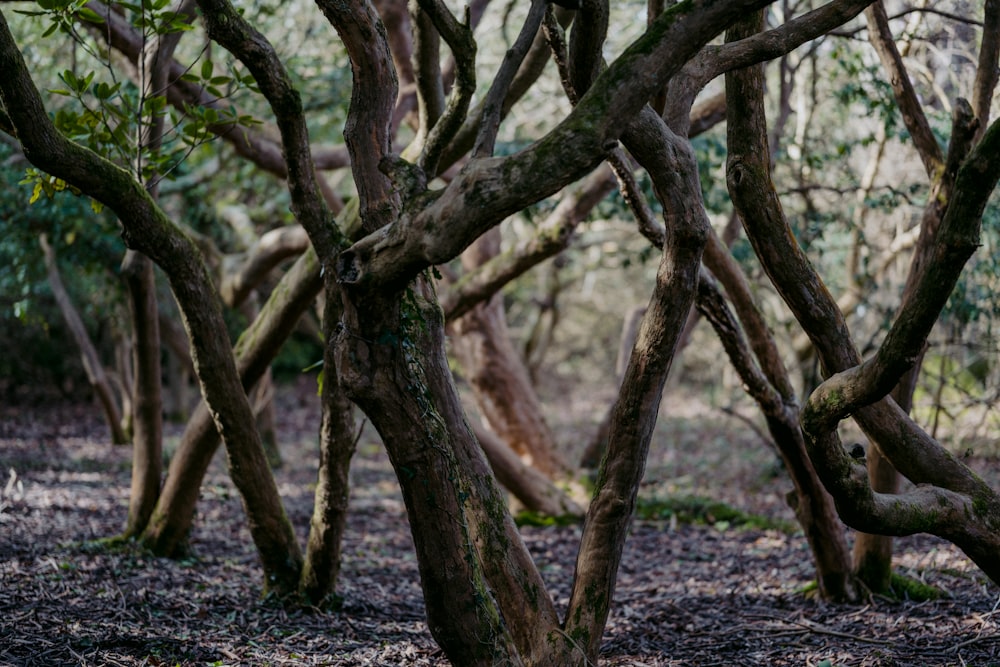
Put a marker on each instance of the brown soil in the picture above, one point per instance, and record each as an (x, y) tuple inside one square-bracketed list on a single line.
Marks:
[(689, 594)]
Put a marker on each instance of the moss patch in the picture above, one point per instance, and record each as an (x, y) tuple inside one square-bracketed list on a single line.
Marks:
[(695, 509), (908, 588)]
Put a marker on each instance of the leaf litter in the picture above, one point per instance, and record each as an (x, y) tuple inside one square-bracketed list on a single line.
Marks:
[(688, 594)]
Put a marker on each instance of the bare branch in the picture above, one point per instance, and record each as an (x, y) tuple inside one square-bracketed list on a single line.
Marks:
[(988, 70), (463, 47), (489, 189), (373, 97), (718, 59), (906, 97), (493, 102)]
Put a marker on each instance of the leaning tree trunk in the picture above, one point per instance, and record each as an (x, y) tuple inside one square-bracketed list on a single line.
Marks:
[(768, 383), (88, 353), (499, 380), (337, 444), (167, 532), (484, 598)]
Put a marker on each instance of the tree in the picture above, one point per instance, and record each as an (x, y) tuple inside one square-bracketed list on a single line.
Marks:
[(384, 327)]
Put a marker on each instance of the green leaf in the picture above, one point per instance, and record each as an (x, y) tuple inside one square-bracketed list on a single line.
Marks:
[(89, 15), (70, 79), (206, 69)]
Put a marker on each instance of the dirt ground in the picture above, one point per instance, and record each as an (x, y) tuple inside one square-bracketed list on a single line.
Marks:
[(689, 594)]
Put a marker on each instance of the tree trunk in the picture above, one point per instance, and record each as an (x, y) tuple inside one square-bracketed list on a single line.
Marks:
[(337, 443), (500, 382), (167, 532), (533, 489), (88, 353), (671, 164), (147, 404), (771, 387), (486, 603)]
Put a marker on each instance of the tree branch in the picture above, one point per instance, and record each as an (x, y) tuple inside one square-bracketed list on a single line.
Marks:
[(373, 97), (493, 102), (228, 27), (463, 47), (987, 71), (906, 97), (489, 189)]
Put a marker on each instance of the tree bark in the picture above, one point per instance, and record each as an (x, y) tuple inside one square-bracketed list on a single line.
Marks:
[(147, 400), (166, 534), (337, 443), (484, 597), (500, 382), (673, 168)]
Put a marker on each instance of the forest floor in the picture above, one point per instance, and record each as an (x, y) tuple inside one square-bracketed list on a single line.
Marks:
[(715, 591)]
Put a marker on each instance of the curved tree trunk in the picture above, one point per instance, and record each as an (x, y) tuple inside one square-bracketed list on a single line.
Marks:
[(337, 443), (499, 380), (167, 532), (485, 600)]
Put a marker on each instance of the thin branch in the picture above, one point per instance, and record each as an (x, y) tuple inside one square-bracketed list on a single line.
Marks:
[(460, 40), (987, 71), (906, 97), (493, 103)]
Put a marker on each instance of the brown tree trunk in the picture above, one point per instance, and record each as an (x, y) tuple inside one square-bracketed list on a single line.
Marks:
[(499, 380), (771, 387), (88, 353), (533, 489), (147, 404), (168, 529), (486, 603), (337, 443), (671, 164)]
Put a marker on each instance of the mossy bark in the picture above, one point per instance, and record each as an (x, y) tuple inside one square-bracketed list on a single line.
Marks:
[(484, 598)]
